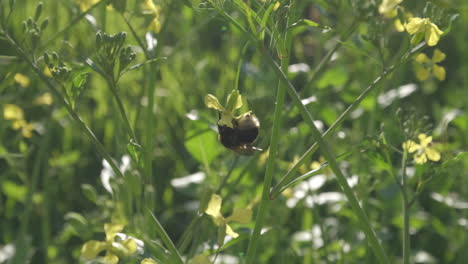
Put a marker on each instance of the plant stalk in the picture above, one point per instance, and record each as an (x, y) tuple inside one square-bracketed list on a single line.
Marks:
[(406, 207)]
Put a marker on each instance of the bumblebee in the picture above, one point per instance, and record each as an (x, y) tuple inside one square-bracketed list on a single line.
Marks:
[(242, 135)]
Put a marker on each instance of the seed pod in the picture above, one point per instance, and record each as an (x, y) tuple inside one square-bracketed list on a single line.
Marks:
[(44, 24), (46, 58), (38, 11)]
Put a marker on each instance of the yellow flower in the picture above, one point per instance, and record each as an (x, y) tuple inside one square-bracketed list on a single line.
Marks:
[(152, 9), (86, 4), (422, 151), (398, 25), (234, 102), (239, 215), (388, 8), (45, 99), (15, 113), (424, 66), (148, 261), (91, 249), (431, 32), (12, 112), (22, 80)]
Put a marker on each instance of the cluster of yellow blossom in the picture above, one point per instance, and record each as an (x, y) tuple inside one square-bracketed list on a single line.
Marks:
[(423, 27), (415, 25), (422, 151), (16, 115)]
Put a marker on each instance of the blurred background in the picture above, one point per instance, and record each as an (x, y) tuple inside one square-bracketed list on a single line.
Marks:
[(56, 191)]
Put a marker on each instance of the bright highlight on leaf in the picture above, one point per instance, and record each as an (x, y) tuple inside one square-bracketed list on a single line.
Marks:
[(213, 209), (424, 26), (422, 151), (424, 66)]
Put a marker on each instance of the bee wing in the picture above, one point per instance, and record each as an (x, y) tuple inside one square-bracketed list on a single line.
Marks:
[(246, 150)]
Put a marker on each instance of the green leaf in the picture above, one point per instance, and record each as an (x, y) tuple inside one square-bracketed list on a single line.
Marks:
[(89, 192), (14, 191), (336, 77), (204, 147)]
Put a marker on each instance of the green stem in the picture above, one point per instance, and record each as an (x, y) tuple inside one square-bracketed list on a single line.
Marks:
[(361, 215), (120, 106), (272, 153), (70, 25), (76, 118), (166, 240), (406, 208), (270, 167), (290, 175)]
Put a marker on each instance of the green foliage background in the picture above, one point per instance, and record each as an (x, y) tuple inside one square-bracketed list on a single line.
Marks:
[(52, 199)]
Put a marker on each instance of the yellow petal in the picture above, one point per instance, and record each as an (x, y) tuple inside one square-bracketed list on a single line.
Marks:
[(411, 146), (438, 56), (148, 261), (439, 72), (12, 112), (420, 158), (231, 232), (432, 154), (45, 99), (27, 129), (111, 230), (212, 102), (240, 215), (399, 26), (155, 25), (130, 245), (234, 101), (424, 140), (422, 58), (277, 5), (422, 73), (388, 7), (214, 207), (432, 34), (110, 258), (22, 80), (415, 25), (92, 248)]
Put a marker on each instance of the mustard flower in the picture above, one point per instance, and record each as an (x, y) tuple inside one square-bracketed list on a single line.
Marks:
[(388, 8), (153, 10), (234, 102), (239, 215), (424, 66), (22, 80), (400, 27), (430, 30), (85, 5), (15, 114), (45, 99), (114, 249), (422, 151)]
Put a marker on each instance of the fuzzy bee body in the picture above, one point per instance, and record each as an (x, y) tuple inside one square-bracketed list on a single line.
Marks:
[(242, 135)]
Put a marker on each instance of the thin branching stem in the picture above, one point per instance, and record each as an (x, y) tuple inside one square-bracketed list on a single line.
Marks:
[(74, 115), (290, 175), (406, 207)]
